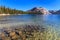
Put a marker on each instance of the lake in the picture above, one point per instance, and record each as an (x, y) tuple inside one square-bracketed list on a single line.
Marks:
[(30, 19)]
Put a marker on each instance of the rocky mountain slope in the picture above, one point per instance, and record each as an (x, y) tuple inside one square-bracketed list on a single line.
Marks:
[(39, 10), (56, 12)]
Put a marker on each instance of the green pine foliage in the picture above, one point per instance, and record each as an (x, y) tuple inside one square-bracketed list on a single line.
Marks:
[(4, 10)]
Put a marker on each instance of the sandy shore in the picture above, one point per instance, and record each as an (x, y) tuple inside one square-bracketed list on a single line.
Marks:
[(10, 14), (4, 14)]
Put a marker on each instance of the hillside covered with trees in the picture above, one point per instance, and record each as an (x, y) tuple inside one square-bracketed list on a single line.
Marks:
[(4, 10)]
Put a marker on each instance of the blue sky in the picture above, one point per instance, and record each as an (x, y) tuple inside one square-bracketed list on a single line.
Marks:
[(28, 4)]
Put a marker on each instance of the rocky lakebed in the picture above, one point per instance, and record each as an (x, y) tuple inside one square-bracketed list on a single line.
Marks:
[(26, 32)]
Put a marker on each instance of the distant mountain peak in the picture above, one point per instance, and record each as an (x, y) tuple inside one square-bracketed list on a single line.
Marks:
[(39, 9)]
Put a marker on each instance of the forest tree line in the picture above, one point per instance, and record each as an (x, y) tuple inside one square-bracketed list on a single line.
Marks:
[(4, 10)]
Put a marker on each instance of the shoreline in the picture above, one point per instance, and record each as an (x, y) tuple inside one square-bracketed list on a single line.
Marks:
[(4, 14), (9, 14), (16, 14)]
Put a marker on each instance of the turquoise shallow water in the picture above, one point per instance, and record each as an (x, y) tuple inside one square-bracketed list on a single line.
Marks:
[(31, 19)]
